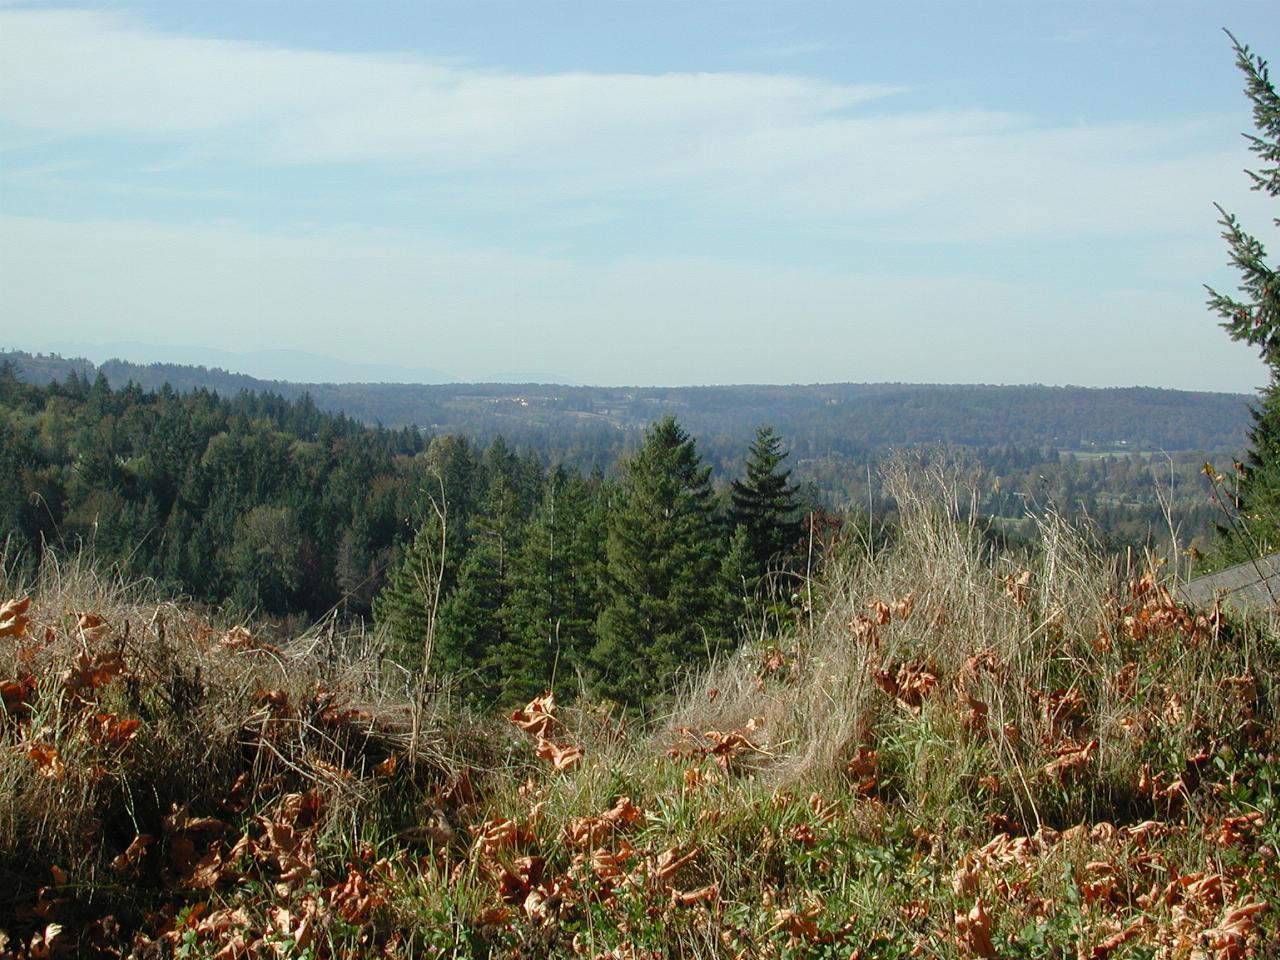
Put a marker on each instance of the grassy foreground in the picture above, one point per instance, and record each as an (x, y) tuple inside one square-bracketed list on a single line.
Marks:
[(946, 754)]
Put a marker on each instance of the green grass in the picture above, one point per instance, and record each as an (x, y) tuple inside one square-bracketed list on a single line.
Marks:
[(1053, 765)]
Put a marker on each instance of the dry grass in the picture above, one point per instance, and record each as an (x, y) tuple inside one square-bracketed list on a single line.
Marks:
[(954, 753)]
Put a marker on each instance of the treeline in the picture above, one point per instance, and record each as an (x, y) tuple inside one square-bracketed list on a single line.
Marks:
[(516, 583), (576, 423), (481, 563), (271, 505)]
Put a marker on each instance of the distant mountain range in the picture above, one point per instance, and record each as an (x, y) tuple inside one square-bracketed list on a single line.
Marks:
[(818, 420)]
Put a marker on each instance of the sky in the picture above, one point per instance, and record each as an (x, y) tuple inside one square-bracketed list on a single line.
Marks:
[(632, 193)]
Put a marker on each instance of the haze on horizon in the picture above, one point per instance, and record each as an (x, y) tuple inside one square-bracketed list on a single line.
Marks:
[(646, 193)]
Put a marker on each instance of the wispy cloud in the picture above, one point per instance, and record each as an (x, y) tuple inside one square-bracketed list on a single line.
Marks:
[(777, 146)]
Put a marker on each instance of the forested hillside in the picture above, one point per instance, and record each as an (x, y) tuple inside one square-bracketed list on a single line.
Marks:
[(485, 563), (286, 509), (849, 420)]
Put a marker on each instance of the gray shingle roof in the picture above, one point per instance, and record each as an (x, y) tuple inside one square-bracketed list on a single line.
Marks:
[(1249, 587)]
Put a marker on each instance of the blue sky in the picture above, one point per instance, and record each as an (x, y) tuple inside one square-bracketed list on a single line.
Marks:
[(633, 193)]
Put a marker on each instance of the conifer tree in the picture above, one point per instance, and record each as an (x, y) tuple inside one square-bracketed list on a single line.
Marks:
[(765, 507), (665, 610), (1254, 317), (408, 606), (470, 632), (549, 618)]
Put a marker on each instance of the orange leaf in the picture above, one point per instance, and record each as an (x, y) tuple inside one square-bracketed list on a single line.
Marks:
[(974, 931), (537, 717), (16, 695), (109, 728), (13, 617), (563, 756), (702, 894), (47, 760), (669, 862), (1071, 759), (135, 851)]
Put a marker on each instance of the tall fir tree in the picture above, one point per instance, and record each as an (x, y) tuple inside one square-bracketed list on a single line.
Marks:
[(764, 508), (470, 630), (1254, 317), (550, 611), (408, 606), (665, 610)]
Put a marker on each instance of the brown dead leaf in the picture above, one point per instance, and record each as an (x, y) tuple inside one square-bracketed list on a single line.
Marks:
[(609, 866), (180, 821), (1236, 830), (726, 747), (975, 714), (973, 932), (1233, 931), (1070, 760), (92, 626), (1104, 949), (864, 628), (910, 684), (239, 639), (90, 673), (109, 729), (670, 861), (901, 608), (47, 760), (563, 756), (864, 767), (772, 661), (701, 895), (133, 853), (879, 612), (1016, 587), (537, 717), (1243, 689), (495, 835), (13, 617), (493, 916), (354, 899), (800, 925), (208, 870), (16, 697), (1061, 710)]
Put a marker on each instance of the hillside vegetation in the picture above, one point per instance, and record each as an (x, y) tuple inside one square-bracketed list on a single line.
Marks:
[(847, 420), (944, 751), (283, 509)]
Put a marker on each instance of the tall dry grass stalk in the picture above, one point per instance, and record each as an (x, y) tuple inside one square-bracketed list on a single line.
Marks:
[(1022, 634), (215, 705)]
